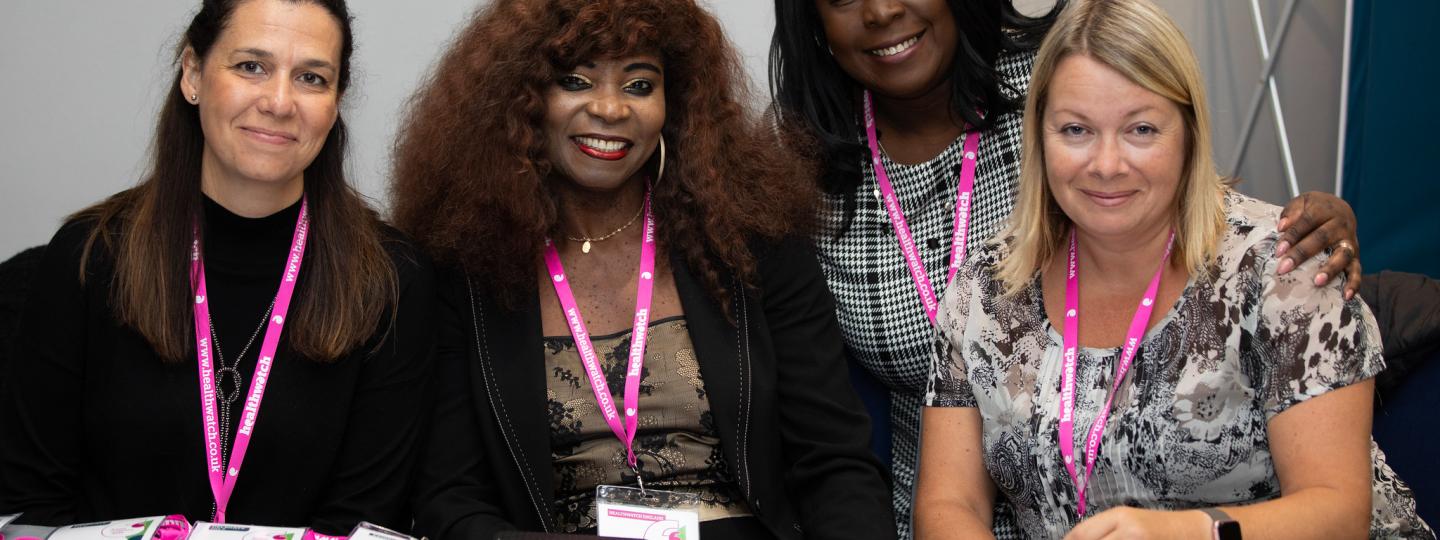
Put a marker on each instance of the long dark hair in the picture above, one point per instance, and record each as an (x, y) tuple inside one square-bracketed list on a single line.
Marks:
[(809, 88), (348, 279), (471, 167)]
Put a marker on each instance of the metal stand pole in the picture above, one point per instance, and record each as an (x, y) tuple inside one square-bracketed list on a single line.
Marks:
[(1267, 84), (1344, 99)]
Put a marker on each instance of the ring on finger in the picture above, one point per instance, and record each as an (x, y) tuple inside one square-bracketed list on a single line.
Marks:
[(1345, 245)]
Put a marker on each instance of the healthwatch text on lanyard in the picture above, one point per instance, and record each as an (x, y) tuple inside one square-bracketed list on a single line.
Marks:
[(222, 479), (1067, 371), (963, 201), (644, 284)]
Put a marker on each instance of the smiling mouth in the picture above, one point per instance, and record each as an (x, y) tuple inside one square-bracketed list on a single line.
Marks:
[(1108, 199), (608, 149), (272, 137), (896, 48)]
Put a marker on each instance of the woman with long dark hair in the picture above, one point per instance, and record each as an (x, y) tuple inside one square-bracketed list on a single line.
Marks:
[(238, 337), (915, 105), (558, 144)]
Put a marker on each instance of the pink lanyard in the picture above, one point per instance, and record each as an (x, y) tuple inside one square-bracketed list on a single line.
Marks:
[(1067, 373), (644, 284), (897, 217), (222, 481)]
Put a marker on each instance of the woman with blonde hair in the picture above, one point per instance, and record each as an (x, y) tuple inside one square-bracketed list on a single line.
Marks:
[(916, 107), (1204, 393)]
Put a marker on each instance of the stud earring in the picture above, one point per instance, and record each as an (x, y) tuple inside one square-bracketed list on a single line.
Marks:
[(194, 98)]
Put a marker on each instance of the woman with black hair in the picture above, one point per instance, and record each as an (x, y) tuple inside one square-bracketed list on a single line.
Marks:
[(915, 104), (122, 401)]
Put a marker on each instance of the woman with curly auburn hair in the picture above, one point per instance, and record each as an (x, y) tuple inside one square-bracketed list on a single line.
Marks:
[(557, 144)]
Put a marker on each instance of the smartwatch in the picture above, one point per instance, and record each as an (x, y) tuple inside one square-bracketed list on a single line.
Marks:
[(1223, 526)]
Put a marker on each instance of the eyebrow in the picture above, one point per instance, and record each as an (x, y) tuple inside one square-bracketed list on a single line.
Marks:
[(643, 66), (313, 63), (1082, 116)]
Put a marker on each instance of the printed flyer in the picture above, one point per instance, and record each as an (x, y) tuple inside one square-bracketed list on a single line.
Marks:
[(124, 529)]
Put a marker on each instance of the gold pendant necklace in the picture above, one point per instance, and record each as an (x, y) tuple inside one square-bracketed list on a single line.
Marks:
[(585, 248)]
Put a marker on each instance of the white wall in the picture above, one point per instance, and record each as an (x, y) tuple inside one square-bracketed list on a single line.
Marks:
[(82, 80)]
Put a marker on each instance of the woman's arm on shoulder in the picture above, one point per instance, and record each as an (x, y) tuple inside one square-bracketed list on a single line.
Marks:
[(40, 424), (839, 486), (1313, 223), (455, 496)]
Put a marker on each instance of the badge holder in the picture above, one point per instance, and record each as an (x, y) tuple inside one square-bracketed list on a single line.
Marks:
[(647, 514), (205, 530)]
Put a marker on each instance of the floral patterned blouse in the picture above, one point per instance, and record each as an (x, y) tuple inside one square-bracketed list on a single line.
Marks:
[(1188, 430)]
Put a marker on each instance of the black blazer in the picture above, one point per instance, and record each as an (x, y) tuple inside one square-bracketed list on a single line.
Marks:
[(789, 421)]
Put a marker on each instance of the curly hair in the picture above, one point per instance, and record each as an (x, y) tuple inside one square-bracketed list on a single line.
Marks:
[(472, 181)]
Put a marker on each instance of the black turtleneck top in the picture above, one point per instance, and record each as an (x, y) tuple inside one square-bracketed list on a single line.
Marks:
[(94, 425)]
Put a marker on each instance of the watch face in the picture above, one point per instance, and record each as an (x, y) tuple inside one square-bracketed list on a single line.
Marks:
[(1227, 530)]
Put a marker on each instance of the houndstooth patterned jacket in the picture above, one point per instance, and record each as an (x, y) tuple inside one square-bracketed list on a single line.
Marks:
[(880, 315)]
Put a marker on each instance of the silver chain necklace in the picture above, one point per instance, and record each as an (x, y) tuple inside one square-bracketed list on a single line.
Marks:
[(232, 370)]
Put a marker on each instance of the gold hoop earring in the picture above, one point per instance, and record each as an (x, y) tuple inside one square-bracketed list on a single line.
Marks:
[(661, 173)]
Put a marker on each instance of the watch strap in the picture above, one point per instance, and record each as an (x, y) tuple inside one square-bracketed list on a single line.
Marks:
[(1223, 527), (1217, 514)]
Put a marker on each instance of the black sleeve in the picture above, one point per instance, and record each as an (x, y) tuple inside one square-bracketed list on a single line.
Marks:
[(373, 473), (1407, 308), (839, 487), (40, 445), (456, 496)]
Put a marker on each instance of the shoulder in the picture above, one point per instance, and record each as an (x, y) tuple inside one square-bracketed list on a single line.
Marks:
[(74, 233), (1247, 246), (1013, 69), (410, 263), (788, 257), (72, 245), (983, 263), (987, 255), (463, 293), (977, 277)]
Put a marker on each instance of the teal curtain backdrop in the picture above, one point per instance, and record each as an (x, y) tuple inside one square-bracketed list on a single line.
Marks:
[(1392, 140)]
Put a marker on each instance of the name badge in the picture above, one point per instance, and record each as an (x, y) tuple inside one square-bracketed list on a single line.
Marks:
[(205, 530), (647, 514), (370, 531)]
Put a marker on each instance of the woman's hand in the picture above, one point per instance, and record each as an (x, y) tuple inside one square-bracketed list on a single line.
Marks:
[(1126, 523), (1316, 221)]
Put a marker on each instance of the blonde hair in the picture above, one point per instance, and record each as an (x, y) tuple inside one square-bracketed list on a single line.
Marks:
[(1136, 39)]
